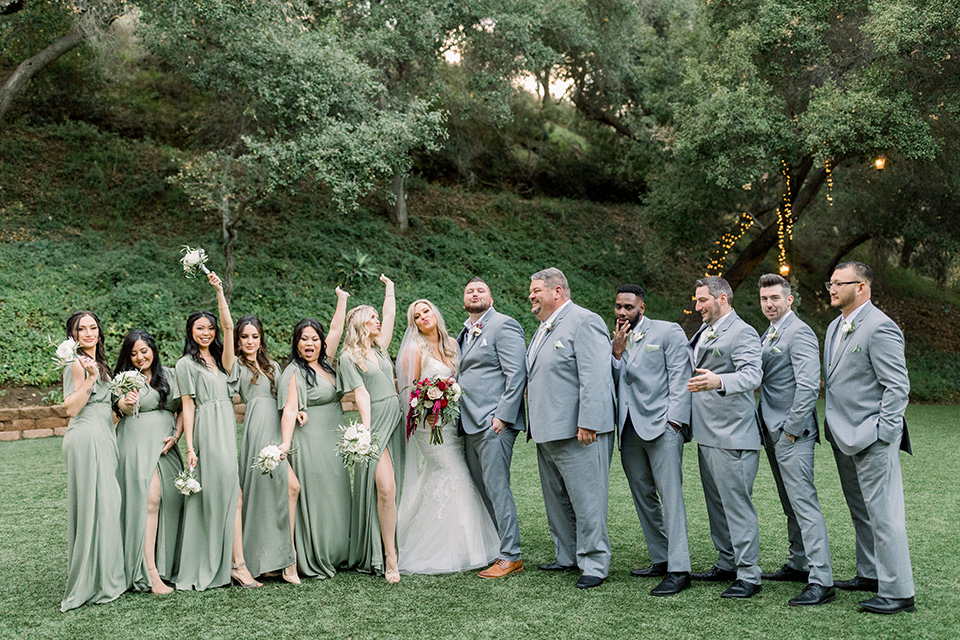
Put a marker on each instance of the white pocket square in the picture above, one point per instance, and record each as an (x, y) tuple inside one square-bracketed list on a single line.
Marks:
[(651, 347), (483, 343), (558, 345)]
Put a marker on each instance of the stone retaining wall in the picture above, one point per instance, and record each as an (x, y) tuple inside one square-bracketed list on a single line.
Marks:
[(43, 422)]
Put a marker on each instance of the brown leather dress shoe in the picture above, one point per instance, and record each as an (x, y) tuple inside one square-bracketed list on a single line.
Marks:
[(501, 568)]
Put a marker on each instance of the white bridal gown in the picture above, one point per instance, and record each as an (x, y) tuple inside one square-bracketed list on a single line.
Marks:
[(442, 524)]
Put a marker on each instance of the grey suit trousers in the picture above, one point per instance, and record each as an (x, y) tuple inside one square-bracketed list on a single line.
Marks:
[(873, 488), (727, 476), (654, 470), (792, 467), (576, 482), (488, 458)]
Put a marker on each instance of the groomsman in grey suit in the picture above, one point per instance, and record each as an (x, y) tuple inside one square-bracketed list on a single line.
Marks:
[(493, 375), (788, 421), (571, 403), (867, 393), (726, 353), (651, 367)]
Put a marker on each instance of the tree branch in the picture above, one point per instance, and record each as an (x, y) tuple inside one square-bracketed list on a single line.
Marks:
[(31, 66)]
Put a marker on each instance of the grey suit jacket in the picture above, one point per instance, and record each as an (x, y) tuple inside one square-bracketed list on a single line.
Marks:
[(569, 383), (726, 418), (867, 384), (791, 379), (492, 374), (651, 380)]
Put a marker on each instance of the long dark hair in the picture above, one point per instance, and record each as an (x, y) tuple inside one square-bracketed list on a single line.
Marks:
[(308, 371), (100, 353), (192, 349), (125, 362), (263, 360)]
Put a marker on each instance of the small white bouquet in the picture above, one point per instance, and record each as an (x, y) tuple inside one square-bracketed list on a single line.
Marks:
[(269, 459), (357, 445), (193, 261), (186, 482), (127, 381), (66, 352)]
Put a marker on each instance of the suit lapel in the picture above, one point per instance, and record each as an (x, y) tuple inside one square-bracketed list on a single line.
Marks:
[(468, 342), (546, 337), (637, 349), (710, 345), (845, 340)]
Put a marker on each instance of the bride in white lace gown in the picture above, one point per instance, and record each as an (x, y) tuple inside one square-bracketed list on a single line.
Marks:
[(442, 523)]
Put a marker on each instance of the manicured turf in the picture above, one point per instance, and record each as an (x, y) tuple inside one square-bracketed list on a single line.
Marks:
[(532, 604)]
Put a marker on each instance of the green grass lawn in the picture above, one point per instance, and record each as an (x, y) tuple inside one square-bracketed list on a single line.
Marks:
[(532, 604)]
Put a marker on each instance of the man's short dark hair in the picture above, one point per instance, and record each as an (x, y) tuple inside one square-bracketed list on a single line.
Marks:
[(635, 289), (716, 286), (775, 280), (864, 272), (474, 279)]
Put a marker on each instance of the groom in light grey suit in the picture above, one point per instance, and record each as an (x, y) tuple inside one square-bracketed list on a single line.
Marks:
[(867, 390), (492, 375), (571, 404), (726, 353), (651, 367), (788, 422)]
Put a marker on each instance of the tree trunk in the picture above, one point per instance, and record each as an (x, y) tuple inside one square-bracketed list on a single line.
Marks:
[(398, 213), (844, 249), (30, 67), (906, 252), (229, 228)]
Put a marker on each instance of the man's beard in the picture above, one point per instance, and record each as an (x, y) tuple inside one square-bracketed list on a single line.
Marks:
[(477, 308)]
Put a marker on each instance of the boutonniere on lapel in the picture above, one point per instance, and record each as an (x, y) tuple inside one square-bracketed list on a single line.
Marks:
[(637, 337), (846, 328), (772, 336), (548, 327), (476, 330), (558, 344), (711, 334), (856, 349)]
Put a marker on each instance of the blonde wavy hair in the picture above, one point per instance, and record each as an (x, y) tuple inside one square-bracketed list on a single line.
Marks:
[(448, 346), (357, 341)]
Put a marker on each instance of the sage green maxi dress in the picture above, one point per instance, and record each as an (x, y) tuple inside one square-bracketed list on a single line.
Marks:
[(140, 439), (94, 536), (208, 516), (267, 544), (386, 425), (322, 527)]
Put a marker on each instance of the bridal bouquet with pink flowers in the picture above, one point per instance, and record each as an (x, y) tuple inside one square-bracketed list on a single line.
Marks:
[(433, 402)]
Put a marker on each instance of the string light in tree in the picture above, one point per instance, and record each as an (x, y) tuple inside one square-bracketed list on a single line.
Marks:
[(724, 244), (829, 169), (784, 221)]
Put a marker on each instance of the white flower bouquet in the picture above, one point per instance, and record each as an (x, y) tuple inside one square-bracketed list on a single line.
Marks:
[(186, 482), (357, 445), (433, 401), (127, 381), (269, 459), (66, 352), (193, 261)]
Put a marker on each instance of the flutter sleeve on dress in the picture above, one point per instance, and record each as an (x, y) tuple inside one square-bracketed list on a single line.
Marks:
[(349, 376), (283, 387), (185, 378), (173, 398), (68, 386), (233, 379)]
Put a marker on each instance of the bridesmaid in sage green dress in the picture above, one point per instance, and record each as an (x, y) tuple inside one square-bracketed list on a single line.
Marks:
[(308, 395), (94, 536), (366, 369), (149, 463), (267, 537), (212, 529)]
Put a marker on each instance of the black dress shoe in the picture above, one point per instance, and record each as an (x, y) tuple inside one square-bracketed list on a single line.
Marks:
[(556, 566), (812, 595), (653, 571), (787, 574), (674, 583), (741, 589), (589, 582), (857, 584), (888, 605), (714, 574)]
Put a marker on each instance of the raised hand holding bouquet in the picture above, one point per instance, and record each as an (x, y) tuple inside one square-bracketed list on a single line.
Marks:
[(186, 482), (269, 458), (193, 261), (357, 445), (128, 382), (433, 402)]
